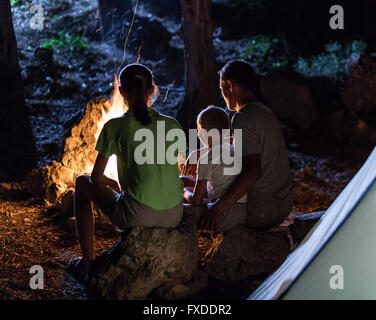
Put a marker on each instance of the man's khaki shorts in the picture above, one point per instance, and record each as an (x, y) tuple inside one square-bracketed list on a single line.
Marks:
[(266, 210), (235, 215)]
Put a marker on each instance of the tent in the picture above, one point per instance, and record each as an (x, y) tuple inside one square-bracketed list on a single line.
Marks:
[(337, 259)]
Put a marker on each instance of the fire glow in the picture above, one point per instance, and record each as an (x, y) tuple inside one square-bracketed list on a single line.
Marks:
[(116, 109)]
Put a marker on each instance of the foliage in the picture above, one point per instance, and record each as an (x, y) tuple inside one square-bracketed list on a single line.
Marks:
[(16, 5), (266, 52), (66, 41), (47, 19), (333, 62)]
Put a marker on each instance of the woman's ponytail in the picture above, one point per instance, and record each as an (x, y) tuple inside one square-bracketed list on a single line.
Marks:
[(137, 83), (140, 97)]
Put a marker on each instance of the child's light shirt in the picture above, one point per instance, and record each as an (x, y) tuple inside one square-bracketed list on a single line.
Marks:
[(211, 166)]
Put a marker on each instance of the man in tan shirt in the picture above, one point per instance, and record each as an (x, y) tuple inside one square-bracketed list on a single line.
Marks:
[(265, 174)]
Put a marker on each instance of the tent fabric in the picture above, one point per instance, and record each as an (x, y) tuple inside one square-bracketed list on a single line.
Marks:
[(345, 236)]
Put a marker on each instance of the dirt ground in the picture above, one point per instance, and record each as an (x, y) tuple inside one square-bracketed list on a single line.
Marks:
[(31, 234)]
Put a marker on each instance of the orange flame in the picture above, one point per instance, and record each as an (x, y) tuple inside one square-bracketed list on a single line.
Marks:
[(117, 107)]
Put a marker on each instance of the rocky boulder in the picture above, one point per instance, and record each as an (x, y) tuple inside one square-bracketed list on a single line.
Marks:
[(149, 260), (290, 99), (326, 94), (246, 252), (152, 38), (55, 181), (359, 95), (44, 56)]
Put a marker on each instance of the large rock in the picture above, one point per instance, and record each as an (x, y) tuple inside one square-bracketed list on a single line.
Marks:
[(326, 95), (152, 37), (246, 252), (359, 95), (290, 99), (162, 261), (51, 181), (55, 181)]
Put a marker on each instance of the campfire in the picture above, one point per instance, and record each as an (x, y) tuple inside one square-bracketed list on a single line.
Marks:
[(55, 181), (116, 108)]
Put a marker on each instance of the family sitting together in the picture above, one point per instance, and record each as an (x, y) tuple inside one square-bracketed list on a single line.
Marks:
[(156, 195)]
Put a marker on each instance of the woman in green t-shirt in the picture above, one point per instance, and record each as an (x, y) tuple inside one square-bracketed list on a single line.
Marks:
[(151, 193)]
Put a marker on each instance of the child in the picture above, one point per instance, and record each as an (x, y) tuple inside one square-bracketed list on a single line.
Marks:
[(151, 192), (211, 180)]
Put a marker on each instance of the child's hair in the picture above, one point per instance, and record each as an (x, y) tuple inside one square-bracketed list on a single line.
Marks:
[(213, 118), (136, 81), (241, 72)]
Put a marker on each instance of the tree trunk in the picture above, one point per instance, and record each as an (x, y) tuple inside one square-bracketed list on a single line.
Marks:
[(16, 138), (201, 83)]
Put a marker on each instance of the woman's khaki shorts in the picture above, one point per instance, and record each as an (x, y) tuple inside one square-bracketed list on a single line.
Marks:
[(126, 212)]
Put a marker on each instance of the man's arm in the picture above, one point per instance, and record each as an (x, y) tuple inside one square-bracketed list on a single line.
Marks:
[(195, 197), (250, 174), (243, 183)]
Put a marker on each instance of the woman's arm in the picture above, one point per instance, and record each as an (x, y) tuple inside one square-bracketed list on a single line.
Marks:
[(98, 177)]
